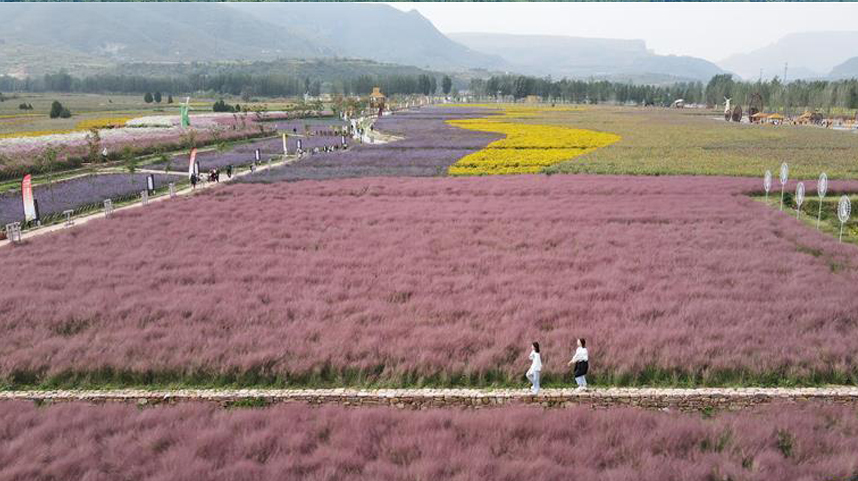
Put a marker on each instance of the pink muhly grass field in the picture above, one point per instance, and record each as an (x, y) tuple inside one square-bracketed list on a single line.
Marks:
[(203, 442), (438, 281)]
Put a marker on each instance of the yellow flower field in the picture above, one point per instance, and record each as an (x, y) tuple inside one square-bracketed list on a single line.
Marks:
[(102, 123), (82, 126), (527, 148)]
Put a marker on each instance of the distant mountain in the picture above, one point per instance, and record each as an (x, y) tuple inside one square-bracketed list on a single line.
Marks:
[(40, 37), (809, 54), (371, 31), (846, 70), (577, 57), (150, 32)]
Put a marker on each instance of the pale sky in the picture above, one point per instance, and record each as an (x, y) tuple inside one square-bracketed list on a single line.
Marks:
[(713, 31)]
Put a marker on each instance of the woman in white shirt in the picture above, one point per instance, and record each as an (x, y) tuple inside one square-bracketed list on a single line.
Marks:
[(535, 368), (581, 362)]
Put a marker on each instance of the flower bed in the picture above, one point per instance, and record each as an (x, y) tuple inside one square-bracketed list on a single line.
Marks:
[(437, 281), (527, 148), (197, 441), (79, 194), (428, 147)]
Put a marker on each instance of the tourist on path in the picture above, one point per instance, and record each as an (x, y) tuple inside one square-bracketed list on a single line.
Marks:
[(535, 368), (193, 181), (581, 362)]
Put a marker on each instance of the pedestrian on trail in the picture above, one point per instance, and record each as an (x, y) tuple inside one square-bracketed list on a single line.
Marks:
[(193, 181), (580, 361), (535, 368)]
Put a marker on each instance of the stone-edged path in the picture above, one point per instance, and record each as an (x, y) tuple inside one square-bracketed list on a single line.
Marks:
[(650, 398)]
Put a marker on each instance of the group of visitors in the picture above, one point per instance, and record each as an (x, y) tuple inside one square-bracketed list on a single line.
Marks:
[(214, 175), (580, 362)]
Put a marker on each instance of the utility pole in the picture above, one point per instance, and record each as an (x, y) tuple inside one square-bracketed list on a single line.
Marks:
[(786, 94)]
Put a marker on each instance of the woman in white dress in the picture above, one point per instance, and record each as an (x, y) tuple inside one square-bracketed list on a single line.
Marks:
[(535, 368)]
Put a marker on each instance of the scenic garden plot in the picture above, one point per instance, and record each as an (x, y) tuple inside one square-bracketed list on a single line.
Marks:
[(446, 281), (659, 141), (198, 441), (80, 194), (20, 155), (428, 146), (525, 148)]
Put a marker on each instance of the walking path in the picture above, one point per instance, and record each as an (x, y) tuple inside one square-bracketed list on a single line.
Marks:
[(651, 398)]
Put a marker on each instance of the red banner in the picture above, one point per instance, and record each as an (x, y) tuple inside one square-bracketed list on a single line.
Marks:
[(27, 192), (191, 163)]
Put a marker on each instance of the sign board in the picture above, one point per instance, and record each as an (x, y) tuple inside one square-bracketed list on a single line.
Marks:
[(29, 203)]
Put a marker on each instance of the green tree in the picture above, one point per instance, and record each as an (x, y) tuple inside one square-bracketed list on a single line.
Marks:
[(157, 97), (446, 84), (56, 109), (148, 98), (170, 99)]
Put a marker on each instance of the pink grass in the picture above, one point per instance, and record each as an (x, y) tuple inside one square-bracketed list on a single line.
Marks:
[(399, 280), (194, 442)]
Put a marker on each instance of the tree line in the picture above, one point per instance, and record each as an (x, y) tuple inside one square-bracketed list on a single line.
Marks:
[(816, 94), (229, 83)]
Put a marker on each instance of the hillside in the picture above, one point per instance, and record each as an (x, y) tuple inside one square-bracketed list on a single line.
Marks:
[(846, 70), (810, 55), (82, 37), (371, 31)]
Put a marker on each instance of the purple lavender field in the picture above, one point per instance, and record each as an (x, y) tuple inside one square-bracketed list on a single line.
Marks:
[(77, 194), (244, 153), (429, 146)]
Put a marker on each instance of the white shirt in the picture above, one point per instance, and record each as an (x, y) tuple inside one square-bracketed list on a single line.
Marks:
[(580, 355), (536, 362)]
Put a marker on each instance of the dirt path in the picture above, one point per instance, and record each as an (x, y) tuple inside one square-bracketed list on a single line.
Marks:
[(702, 399)]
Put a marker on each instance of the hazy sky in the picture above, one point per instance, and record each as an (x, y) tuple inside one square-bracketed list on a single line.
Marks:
[(712, 31)]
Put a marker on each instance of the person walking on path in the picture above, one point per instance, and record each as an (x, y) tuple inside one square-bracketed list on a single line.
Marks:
[(581, 362), (193, 181), (535, 368)]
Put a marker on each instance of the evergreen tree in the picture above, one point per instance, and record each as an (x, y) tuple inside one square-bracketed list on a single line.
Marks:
[(157, 97), (446, 84), (148, 98), (170, 99), (56, 109)]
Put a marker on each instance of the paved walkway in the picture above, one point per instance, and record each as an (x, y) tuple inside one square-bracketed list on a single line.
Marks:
[(650, 398)]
